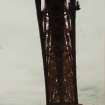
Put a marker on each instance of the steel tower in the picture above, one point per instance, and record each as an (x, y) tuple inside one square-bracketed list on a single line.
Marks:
[(57, 33)]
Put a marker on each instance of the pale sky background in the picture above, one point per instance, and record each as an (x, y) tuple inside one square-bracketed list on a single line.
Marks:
[(21, 69)]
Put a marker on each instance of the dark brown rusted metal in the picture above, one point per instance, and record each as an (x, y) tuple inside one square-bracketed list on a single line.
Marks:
[(57, 34)]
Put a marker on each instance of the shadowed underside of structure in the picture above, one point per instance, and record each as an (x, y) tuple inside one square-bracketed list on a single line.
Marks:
[(57, 34)]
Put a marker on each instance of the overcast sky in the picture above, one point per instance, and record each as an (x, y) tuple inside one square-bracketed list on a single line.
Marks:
[(21, 69)]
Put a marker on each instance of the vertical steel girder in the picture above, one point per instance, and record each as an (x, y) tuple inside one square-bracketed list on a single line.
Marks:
[(57, 34)]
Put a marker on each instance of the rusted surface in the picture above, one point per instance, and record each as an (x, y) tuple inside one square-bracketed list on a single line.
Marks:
[(58, 49)]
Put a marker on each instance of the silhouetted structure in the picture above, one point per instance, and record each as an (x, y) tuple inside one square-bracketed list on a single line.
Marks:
[(57, 33)]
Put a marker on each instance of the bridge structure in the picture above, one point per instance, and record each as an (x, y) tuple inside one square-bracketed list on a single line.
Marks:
[(57, 35)]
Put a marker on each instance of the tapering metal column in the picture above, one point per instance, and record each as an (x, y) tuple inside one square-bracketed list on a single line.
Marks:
[(57, 33)]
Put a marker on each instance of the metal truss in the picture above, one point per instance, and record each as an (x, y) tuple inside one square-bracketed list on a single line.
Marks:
[(57, 33)]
